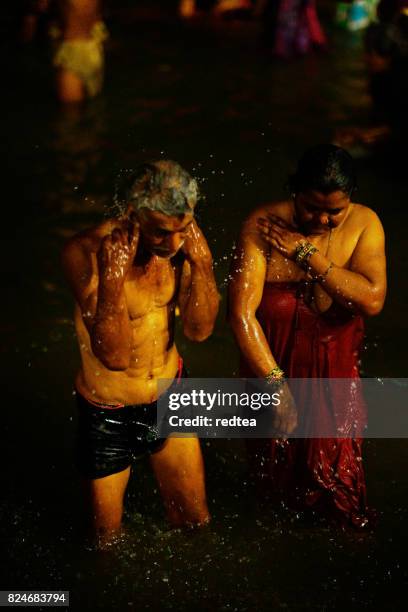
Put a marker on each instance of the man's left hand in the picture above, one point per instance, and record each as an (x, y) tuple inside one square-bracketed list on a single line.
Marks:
[(195, 246)]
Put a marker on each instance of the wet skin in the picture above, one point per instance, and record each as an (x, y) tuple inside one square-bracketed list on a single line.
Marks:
[(349, 238), (127, 283)]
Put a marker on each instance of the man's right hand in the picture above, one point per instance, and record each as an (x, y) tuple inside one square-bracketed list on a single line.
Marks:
[(116, 255)]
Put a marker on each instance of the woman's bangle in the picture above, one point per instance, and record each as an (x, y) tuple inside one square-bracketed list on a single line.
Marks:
[(303, 253), (276, 377)]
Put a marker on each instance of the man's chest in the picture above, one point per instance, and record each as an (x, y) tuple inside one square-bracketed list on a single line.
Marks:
[(150, 287)]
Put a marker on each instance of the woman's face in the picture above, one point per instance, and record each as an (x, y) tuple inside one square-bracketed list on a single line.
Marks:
[(317, 213)]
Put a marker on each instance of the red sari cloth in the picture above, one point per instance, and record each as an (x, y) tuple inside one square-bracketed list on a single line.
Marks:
[(323, 474)]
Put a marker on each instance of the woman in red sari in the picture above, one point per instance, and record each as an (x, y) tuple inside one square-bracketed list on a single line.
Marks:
[(308, 270)]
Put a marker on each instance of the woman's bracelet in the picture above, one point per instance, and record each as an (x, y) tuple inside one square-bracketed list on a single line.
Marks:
[(321, 278), (303, 253), (276, 377)]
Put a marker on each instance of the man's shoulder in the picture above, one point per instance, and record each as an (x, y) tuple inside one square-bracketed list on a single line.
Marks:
[(89, 240), (79, 252)]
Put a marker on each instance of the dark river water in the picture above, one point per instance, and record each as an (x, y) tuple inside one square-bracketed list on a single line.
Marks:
[(209, 97)]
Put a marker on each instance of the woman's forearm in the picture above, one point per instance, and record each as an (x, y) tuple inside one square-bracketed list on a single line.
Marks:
[(253, 344), (350, 289)]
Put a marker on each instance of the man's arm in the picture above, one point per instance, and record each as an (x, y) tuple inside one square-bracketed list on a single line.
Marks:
[(198, 295), (99, 291)]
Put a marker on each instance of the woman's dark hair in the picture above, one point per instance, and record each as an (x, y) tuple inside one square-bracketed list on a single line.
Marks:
[(324, 168)]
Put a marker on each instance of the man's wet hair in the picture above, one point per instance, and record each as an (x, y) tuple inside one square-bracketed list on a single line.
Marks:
[(163, 186), (324, 168)]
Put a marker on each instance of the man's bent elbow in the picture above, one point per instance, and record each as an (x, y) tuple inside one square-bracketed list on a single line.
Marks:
[(197, 333), (115, 363), (116, 366)]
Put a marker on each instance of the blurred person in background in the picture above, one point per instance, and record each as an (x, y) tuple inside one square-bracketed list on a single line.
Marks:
[(291, 27), (34, 19), (355, 14), (78, 55), (192, 8), (77, 34), (387, 63)]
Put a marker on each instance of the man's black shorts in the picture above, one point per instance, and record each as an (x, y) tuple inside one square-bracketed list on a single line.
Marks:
[(110, 438)]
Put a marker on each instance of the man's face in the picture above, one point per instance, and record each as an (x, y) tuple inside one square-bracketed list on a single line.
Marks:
[(317, 213), (163, 235)]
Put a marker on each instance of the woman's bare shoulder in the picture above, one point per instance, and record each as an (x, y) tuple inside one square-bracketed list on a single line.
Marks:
[(282, 209), (363, 215)]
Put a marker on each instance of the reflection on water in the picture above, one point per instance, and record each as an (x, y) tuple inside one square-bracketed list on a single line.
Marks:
[(238, 121)]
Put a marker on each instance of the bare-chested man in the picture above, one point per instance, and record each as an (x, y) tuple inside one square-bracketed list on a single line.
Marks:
[(308, 269), (128, 275)]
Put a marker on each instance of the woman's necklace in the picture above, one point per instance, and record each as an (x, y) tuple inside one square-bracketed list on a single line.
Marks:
[(328, 243)]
